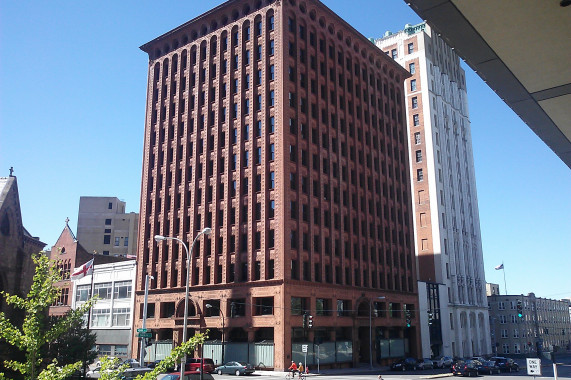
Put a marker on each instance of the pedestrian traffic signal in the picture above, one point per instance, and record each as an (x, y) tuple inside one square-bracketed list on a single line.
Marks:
[(305, 320), (519, 309), (309, 321)]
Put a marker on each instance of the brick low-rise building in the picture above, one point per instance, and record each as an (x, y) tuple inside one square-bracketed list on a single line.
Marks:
[(544, 324), (283, 129)]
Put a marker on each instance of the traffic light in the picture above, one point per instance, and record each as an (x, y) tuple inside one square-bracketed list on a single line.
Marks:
[(430, 317), (309, 321), (408, 318), (519, 309), (305, 320)]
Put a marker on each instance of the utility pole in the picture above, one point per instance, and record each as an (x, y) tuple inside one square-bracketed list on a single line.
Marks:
[(142, 344)]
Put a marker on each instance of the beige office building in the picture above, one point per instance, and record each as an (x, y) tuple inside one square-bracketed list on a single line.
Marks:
[(104, 226)]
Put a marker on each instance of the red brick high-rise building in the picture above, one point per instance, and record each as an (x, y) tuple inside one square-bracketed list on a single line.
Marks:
[(282, 128)]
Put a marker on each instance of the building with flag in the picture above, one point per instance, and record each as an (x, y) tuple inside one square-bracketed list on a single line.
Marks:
[(112, 315), (452, 293), (68, 254)]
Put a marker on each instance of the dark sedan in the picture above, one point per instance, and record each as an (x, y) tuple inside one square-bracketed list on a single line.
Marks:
[(488, 367), (237, 368), (505, 364), (404, 364), (465, 368)]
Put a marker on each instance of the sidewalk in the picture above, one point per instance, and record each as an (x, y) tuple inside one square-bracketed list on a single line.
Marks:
[(361, 370), (365, 370)]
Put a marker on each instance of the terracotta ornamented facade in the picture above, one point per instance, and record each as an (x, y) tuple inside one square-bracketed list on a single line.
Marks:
[(283, 129)]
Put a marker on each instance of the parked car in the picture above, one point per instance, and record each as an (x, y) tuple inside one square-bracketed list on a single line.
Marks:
[(188, 375), (131, 373), (193, 364), (465, 368), (157, 362), (404, 364), (237, 368), (488, 367), (443, 362), (132, 363), (424, 364), (505, 364)]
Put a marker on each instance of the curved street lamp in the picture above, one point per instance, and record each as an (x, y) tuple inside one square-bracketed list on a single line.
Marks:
[(159, 238)]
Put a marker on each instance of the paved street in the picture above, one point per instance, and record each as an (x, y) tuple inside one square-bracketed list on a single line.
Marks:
[(563, 371)]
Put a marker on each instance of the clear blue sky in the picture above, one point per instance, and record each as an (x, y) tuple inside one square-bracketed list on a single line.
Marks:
[(72, 106)]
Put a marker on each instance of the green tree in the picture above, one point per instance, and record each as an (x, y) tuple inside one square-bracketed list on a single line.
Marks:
[(110, 370), (75, 344), (35, 332)]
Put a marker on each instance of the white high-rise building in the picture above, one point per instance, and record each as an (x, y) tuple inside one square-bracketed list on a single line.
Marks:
[(452, 286)]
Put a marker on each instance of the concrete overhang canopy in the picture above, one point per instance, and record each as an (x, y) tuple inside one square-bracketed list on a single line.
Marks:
[(522, 50)]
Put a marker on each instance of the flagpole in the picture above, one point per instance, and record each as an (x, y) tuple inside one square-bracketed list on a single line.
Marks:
[(504, 271), (89, 316)]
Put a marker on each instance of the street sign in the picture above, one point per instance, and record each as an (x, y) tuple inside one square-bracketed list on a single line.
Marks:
[(145, 335), (533, 366), (141, 330), (304, 348)]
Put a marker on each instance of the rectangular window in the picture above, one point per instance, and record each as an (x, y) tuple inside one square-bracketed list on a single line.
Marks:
[(419, 175), (412, 68), (417, 138), (83, 293), (100, 317), (410, 48), (106, 239), (121, 316), (103, 349), (344, 308), (103, 290), (117, 241), (122, 289), (413, 85), (414, 102), (126, 241), (394, 54), (415, 120), (418, 156)]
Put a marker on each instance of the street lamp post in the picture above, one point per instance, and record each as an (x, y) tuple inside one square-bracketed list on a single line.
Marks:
[(142, 348), (222, 314), (371, 330), (158, 238)]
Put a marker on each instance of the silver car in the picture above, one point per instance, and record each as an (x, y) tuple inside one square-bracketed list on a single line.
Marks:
[(443, 362)]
